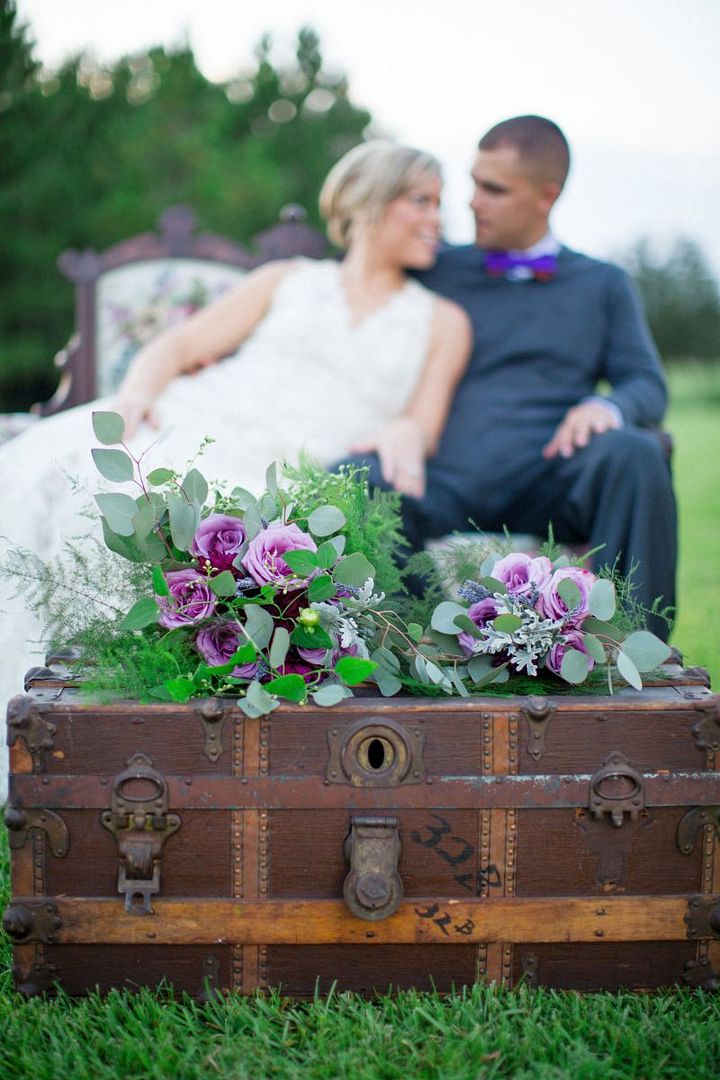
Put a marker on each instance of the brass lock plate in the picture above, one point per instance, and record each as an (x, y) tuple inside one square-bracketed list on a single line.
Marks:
[(376, 752)]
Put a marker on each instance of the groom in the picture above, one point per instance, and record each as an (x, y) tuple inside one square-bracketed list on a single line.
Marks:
[(530, 440)]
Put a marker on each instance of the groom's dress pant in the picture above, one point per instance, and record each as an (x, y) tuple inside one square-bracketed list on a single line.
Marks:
[(615, 494)]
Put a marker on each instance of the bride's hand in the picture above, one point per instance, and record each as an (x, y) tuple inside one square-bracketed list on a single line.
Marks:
[(400, 447), (135, 409)]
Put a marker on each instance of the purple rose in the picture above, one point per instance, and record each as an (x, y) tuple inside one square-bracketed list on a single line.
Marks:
[(481, 614), (551, 604), (217, 643), (522, 574), (572, 639), (190, 599), (314, 656), (264, 557), (293, 665), (218, 540)]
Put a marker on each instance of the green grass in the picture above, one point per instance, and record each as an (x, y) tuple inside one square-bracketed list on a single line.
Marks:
[(481, 1033), (694, 421)]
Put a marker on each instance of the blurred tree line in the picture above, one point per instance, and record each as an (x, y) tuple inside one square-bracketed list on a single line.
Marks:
[(681, 298), (92, 154)]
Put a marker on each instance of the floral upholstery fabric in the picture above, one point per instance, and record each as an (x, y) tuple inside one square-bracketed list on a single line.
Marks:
[(136, 302)]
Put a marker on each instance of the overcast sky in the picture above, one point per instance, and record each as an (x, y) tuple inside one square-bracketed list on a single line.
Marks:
[(634, 83)]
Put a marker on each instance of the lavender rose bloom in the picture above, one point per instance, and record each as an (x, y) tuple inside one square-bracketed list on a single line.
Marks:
[(264, 557), (190, 599), (574, 639), (218, 540), (481, 614), (522, 574), (217, 643), (551, 604)]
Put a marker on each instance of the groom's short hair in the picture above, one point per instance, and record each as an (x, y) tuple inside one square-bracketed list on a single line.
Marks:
[(539, 142)]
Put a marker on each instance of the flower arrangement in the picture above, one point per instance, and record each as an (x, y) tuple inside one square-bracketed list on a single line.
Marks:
[(271, 598)]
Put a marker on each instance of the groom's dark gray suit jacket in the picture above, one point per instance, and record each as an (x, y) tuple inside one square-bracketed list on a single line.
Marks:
[(541, 347)]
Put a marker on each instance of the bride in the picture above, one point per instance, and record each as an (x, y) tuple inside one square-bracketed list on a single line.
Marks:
[(325, 357)]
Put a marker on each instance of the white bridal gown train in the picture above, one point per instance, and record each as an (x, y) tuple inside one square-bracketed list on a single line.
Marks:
[(308, 378)]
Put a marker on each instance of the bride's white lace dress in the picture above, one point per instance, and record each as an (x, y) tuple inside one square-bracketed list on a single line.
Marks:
[(308, 378)]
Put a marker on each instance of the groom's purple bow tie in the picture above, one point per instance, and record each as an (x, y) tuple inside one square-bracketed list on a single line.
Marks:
[(543, 267)]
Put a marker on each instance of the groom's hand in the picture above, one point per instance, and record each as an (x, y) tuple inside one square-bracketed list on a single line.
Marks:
[(578, 427), (400, 446)]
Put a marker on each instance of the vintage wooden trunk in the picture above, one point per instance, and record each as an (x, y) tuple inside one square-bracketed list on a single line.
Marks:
[(572, 842)]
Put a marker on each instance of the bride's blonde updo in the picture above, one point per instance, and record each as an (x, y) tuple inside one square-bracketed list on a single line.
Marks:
[(366, 180)]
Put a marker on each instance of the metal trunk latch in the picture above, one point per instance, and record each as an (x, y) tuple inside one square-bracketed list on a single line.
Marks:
[(617, 789), (373, 889), (140, 822)]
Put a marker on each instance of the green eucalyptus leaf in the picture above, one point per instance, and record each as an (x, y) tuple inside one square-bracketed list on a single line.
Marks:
[(457, 682), (387, 684), (415, 631), (493, 585), (259, 698), (598, 626), (291, 687), (109, 427), (223, 584), (595, 647), (325, 520), (448, 643), (354, 570), (601, 600), (386, 659), (257, 702), (628, 670), (268, 507), (444, 615), (252, 522), (271, 479), (645, 650), (149, 512), (326, 555), (195, 487), (330, 694), (118, 510), (569, 593), (574, 667), (184, 520), (338, 542), (279, 647), (259, 625), (121, 545), (437, 675), (479, 666), (144, 612), (322, 588), (159, 476), (242, 498), (486, 566), (418, 667), (114, 465), (466, 623), (507, 624)]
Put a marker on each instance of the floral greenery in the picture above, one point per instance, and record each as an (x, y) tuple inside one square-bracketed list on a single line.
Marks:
[(283, 596)]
